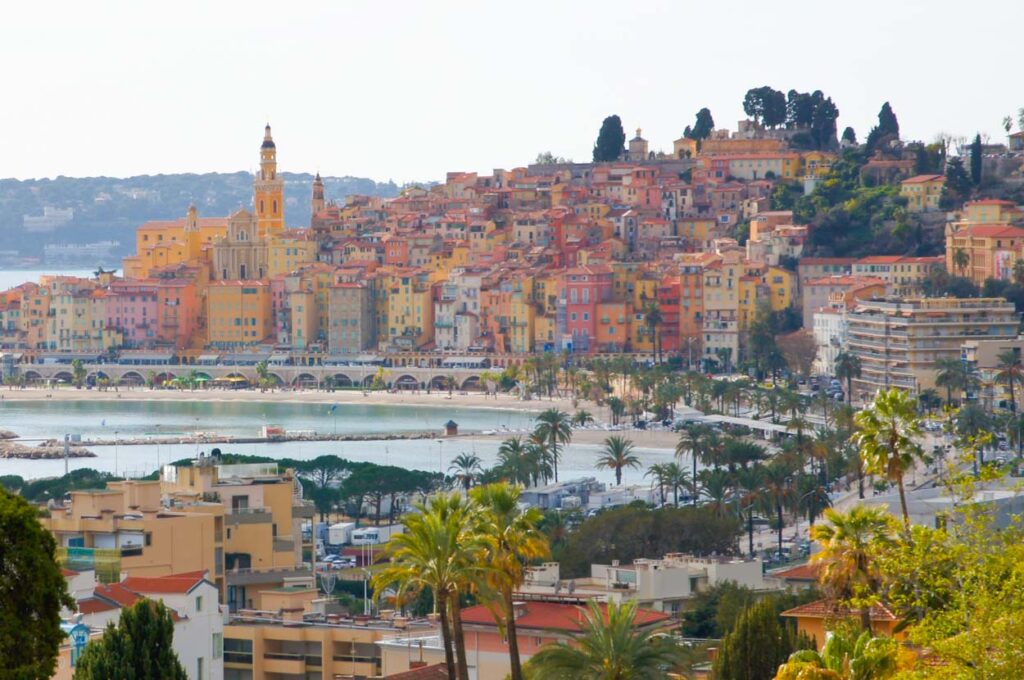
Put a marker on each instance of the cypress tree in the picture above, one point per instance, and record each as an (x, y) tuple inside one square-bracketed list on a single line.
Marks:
[(756, 646), (976, 160), (611, 140), (138, 647)]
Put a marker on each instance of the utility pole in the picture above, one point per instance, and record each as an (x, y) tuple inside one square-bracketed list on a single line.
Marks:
[(67, 452)]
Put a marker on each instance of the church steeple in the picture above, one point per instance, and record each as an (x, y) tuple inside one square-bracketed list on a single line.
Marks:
[(268, 189), (317, 203)]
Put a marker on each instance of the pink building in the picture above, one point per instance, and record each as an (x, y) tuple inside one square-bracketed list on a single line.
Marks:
[(132, 309), (585, 287)]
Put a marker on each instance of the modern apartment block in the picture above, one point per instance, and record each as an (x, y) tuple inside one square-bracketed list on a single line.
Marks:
[(898, 341), (242, 524)]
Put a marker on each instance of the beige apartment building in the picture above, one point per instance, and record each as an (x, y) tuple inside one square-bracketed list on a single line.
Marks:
[(898, 341), (240, 523), (286, 644)]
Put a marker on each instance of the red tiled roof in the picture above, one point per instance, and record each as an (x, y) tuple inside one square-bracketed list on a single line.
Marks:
[(848, 280), (115, 592), (823, 609), (921, 179), (802, 572), (436, 672), (68, 572), (93, 605), (827, 260), (992, 231), (163, 584), (555, 616)]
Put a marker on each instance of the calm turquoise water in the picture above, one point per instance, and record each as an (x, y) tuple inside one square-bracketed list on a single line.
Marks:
[(41, 419)]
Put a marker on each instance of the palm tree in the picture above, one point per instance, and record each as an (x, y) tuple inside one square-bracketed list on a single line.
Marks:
[(659, 479), (748, 486), (512, 539), (617, 455), (539, 459), (466, 468), (439, 550), (653, 319), (608, 647), (848, 541), (553, 426), (847, 368), (778, 493), (1010, 373), (677, 479), (513, 461), (889, 430), (616, 407), (691, 441), (582, 418), (844, 658), (716, 486), (954, 375), (78, 373), (961, 260)]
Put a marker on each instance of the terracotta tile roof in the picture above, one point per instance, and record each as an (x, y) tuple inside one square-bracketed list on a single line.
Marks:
[(555, 616), (921, 179), (68, 572), (436, 672), (992, 231), (823, 609), (163, 584), (848, 280), (116, 593), (801, 572), (94, 605), (827, 260)]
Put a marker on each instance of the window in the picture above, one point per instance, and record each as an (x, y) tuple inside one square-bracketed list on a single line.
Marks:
[(218, 645), (199, 603), (199, 668)]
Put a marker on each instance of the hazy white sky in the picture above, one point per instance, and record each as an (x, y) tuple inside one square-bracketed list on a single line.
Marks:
[(408, 90)]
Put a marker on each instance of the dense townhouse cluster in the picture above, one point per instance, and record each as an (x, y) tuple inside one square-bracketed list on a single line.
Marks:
[(642, 255)]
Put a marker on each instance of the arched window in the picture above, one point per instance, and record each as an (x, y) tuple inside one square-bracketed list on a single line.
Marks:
[(275, 207), (261, 205)]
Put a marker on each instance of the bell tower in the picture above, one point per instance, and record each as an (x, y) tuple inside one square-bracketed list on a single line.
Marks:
[(268, 190), (317, 203)]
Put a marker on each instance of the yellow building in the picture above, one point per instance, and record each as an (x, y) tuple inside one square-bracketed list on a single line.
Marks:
[(817, 163), (289, 250), (238, 313), (410, 323), (278, 644), (922, 192), (268, 190), (263, 539), (126, 528), (163, 243), (782, 284)]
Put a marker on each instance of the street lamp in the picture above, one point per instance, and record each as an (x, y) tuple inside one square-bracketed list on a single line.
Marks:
[(440, 457), (115, 453)]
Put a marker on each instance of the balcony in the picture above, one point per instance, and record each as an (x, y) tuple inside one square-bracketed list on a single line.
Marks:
[(249, 516), (246, 576), (290, 664), (304, 511), (284, 545)]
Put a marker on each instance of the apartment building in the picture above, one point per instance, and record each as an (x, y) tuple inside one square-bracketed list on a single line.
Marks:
[(241, 524), (899, 340), (351, 320)]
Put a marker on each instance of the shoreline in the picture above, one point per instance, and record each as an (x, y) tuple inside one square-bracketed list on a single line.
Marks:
[(475, 400)]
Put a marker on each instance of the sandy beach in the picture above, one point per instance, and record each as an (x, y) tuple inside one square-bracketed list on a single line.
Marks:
[(439, 399)]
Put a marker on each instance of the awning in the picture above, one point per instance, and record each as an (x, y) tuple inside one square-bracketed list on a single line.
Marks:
[(208, 358)]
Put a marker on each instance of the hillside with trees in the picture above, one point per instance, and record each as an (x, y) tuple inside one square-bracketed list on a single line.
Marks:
[(111, 208)]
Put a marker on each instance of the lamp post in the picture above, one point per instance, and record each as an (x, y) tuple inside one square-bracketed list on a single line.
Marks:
[(440, 457), (115, 453)]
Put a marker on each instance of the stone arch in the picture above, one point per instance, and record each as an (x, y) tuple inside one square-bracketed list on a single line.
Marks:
[(95, 376), (163, 377), (471, 383), (439, 382), (367, 381), (64, 376), (406, 382), (133, 378), (276, 379), (32, 376), (305, 380), (342, 380)]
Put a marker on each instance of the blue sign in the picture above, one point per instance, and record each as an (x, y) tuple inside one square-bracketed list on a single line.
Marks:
[(79, 635)]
